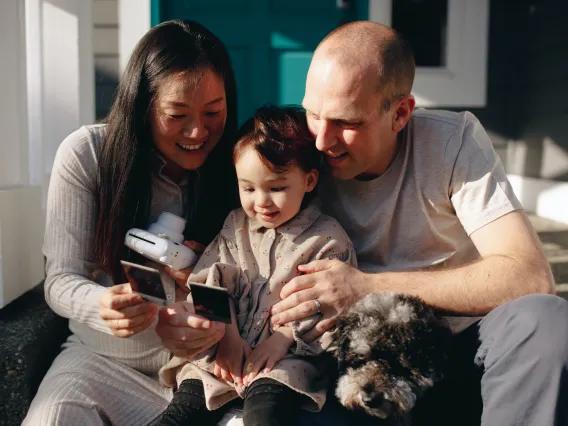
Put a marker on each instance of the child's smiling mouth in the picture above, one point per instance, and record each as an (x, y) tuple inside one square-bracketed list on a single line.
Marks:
[(268, 216)]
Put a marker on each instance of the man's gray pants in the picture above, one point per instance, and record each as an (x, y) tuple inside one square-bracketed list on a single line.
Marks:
[(508, 369)]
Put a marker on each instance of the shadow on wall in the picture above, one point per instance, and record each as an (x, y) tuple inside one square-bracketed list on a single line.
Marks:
[(527, 87)]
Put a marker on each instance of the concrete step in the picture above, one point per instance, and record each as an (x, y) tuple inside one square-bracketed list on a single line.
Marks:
[(559, 266), (562, 290), (554, 238), (557, 255)]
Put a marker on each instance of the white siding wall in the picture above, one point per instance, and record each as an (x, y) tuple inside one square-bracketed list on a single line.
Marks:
[(105, 46)]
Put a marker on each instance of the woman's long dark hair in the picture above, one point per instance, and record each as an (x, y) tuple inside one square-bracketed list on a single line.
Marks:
[(126, 158)]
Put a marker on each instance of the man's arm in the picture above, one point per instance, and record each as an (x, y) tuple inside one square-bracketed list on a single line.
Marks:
[(512, 265)]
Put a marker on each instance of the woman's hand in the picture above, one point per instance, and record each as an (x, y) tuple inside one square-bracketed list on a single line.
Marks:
[(336, 285), (230, 358), (181, 276), (125, 312), (266, 354), (185, 333)]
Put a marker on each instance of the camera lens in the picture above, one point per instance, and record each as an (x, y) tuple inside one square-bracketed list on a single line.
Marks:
[(168, 226), (171, 221)]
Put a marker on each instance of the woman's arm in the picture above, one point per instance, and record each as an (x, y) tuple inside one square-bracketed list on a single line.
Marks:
[(69, 234)]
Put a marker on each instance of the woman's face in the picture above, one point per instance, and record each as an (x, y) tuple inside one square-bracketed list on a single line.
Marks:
[(187, 119)]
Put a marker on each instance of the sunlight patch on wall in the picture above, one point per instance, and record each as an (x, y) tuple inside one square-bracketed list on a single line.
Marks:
[(554, 159), (546, 198), (423, 101)]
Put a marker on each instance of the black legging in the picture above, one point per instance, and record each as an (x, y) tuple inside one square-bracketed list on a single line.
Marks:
[(267, 403), (188, 407)]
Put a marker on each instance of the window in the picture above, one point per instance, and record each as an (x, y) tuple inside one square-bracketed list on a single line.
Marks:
[(449, 38)]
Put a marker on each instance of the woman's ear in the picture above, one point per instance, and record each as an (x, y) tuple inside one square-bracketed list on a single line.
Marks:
[(311, 180)]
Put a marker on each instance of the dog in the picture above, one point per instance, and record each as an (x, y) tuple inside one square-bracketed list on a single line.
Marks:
[(389, 350)]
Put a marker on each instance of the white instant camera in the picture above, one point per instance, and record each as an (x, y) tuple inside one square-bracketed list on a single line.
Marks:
[(162, 242)]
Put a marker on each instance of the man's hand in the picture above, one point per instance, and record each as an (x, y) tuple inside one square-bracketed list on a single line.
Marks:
[(336, 285), (185, 333), (266, 354), (181, 276), (125, 312), (231, 355)]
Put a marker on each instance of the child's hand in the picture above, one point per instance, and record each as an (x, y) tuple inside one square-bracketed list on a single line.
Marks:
[(231, 353), (268, 353)]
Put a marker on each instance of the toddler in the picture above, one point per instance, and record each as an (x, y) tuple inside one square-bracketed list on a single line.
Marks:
[(258, 250)]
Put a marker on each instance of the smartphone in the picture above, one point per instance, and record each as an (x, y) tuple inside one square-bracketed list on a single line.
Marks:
[(211, 302), (146, 282)]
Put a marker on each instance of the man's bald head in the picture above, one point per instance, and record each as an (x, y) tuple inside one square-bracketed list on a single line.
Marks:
[(375, 50)]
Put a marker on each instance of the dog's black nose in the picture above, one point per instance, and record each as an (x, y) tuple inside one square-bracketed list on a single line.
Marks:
[(375, 399)]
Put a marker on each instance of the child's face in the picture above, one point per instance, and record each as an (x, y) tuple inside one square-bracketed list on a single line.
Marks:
[(268, 197)]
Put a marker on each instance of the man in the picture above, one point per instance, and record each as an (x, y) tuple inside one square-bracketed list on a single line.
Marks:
[(428, 206)]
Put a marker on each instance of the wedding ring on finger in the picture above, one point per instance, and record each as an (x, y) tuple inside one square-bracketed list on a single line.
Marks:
[(318, 306)]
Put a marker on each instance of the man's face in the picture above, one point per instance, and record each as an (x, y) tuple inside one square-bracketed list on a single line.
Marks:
[(345, 116)]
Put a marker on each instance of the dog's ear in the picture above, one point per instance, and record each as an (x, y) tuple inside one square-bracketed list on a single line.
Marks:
[(340, 342)]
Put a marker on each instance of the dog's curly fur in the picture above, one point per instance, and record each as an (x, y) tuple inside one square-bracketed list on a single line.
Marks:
[(389, 349)]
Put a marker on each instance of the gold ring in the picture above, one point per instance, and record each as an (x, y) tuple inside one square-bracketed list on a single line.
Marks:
[(249, 367)]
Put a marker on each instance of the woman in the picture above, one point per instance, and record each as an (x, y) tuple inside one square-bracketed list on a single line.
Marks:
[(166, 145)]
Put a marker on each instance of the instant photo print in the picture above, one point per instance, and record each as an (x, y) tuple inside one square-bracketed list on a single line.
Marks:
[(211, 302), (146, 282)]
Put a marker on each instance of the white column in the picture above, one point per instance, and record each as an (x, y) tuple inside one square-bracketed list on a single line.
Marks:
[(21, 236), (47, 86), (21, 218), (13, 161), (68, 71), (34, 79), (133, 23)]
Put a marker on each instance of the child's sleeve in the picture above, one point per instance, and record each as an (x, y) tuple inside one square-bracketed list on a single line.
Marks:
[(218, 266), (338, 246)]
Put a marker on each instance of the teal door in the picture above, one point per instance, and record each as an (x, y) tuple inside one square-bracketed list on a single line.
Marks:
[(270, 41)]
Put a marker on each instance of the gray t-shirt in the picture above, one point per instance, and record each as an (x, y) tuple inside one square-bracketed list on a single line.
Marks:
[(445, 182)]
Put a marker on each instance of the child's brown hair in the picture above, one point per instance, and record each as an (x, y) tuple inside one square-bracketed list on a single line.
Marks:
[(280, 136)]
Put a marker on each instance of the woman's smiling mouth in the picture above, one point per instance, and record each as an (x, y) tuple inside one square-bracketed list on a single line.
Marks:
[(189, 147)]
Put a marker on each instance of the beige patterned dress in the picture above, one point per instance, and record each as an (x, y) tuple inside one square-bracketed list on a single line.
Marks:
[(253, 263)]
